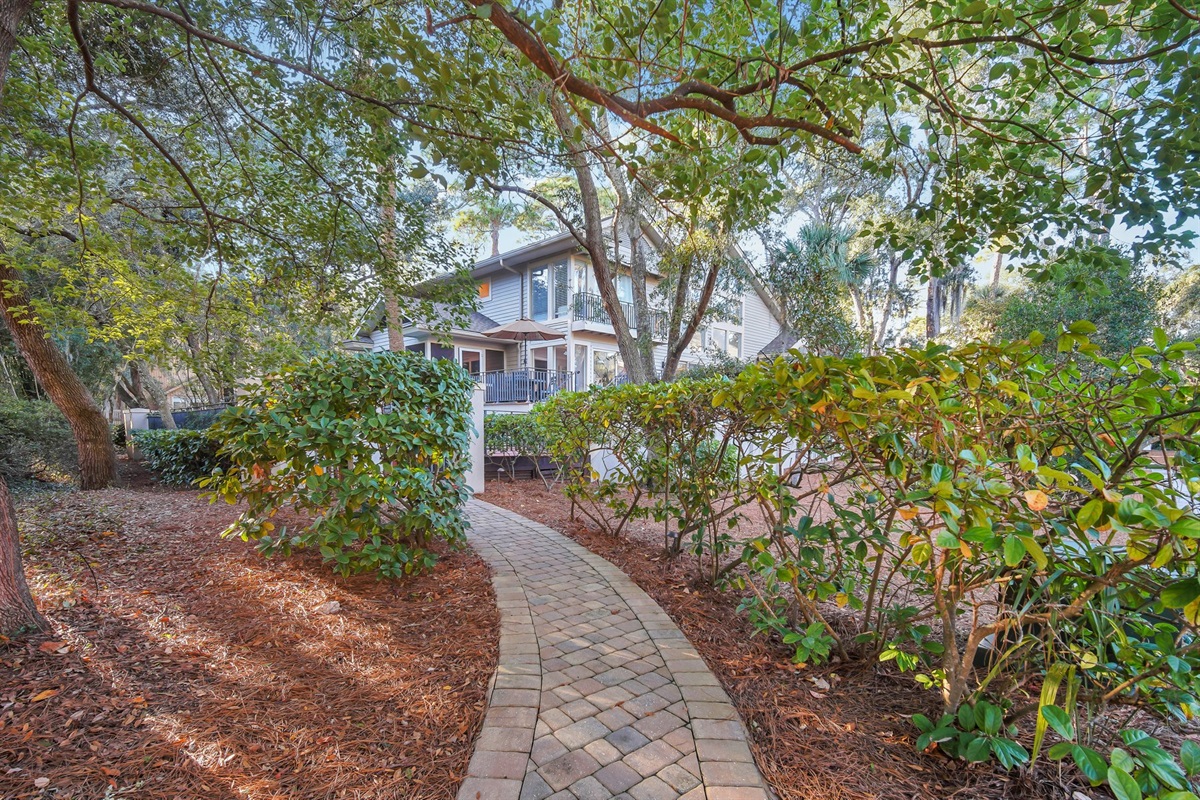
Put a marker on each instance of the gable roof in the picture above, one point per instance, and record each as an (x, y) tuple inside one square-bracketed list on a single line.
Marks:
[(785, 341)]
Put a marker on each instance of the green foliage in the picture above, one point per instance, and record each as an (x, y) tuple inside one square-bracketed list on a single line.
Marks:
[(513, 434), (973, 733), (983, 517), (181, 457), (373, 447), (810, 277), (1098, 284), (35, 440), (667, 459), (1138, 768)]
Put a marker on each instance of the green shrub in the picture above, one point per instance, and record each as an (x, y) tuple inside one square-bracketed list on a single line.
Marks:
[(987, 518), (180, 457), (374, 447), (35, 440), (513, 434), (118, 435)]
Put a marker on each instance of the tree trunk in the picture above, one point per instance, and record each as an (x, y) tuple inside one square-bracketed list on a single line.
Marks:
[(889, 298), (496, 224), (933, 309), (12, 13), (18, 612), (996, 273), (387, 243), (93, 438), (594, 243)]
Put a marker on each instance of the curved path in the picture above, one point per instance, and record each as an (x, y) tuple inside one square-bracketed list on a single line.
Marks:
[(597, 693)]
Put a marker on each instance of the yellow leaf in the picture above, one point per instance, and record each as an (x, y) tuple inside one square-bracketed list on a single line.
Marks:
[(46, 695), (1057, 451), (1036, 499), (908, 513), (318, 470), (841, 598)]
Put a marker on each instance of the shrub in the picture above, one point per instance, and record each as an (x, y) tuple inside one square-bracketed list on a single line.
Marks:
[(118, 435), (180, 457), (374, 447), (35, 440), (986, 518), (670, 457)]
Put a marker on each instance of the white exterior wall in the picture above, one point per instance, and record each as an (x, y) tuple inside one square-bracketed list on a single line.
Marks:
[(379, 340), (759, 327)]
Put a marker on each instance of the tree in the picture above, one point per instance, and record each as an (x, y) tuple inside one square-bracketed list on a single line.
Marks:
[(1016, 151), (1096, 283), (487, 213), (810, 277)]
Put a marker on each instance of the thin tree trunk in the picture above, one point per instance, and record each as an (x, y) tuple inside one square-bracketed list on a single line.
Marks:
[(889, 298), (495, 237), (18, 612), (996, 273), (12, 13), (97, 457), (387, 241), (594, 243), (933, 309)]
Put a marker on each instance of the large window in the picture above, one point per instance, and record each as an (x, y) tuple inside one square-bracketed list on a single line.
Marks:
[(548, 291), (728, 342), (606, 366)]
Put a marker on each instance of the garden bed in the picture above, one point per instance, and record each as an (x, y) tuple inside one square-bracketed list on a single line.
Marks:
[(186, 666), (832, 733)]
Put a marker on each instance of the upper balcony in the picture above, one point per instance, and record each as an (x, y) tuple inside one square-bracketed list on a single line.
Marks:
[(588, 308)]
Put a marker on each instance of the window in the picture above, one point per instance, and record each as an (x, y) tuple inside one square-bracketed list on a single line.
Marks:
[(625, 288), (471, 361), (728, 342), (734, 346), (606, 367), (418, 348), (548, 291), (440, 351), (485, 290), (494, 360)]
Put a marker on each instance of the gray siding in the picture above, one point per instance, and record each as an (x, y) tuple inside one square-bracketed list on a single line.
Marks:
[(504, 304)]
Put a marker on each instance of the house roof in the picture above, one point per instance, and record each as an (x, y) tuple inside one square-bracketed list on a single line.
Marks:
[(785, 341)]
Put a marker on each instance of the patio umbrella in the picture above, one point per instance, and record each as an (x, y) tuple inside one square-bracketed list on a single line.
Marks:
[(523, 330)]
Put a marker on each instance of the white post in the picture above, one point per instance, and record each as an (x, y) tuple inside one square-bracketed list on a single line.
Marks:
[(136, 419), (475, 472)]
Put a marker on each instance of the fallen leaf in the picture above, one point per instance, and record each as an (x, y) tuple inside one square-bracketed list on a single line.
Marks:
[(50, 647), (41, 783), (44, 695)]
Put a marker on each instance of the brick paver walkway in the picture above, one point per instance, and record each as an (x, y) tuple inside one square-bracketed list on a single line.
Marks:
[(597, 693)]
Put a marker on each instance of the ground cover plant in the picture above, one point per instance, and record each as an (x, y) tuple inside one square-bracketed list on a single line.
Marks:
[(991, 521), (180, 457), (372, 446)]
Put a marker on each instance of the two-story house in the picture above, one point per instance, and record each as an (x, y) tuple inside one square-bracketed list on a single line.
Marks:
[(551, 281)]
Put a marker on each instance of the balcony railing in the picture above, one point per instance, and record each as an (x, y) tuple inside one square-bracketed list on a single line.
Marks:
[(589, 307), (525, 385)]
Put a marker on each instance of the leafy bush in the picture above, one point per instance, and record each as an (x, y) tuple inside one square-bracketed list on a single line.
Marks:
[(986, 518), (35, 440), (374, 447), (180, 457), (669, 453), (118, 435)]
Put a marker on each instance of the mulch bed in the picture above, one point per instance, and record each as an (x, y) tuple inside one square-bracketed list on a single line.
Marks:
[(182, 665), (840, 732)]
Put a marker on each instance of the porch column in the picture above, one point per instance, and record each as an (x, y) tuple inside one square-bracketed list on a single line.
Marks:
[(476, 448)]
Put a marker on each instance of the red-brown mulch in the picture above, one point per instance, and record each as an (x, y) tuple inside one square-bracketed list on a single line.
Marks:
[(841, 732), (182, 665)]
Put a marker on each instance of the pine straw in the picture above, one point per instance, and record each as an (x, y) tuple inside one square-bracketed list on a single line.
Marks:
[(186, 666), (851, 741)]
